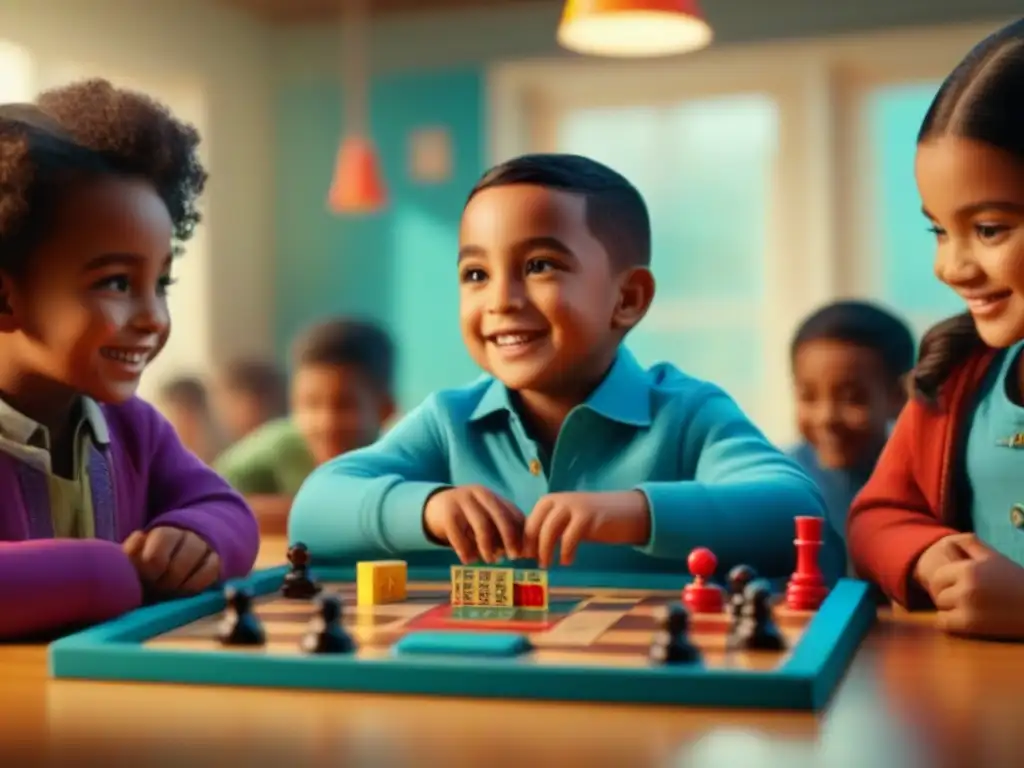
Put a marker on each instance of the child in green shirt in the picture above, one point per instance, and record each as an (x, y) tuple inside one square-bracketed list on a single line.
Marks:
[(183, 402), (246, 394), (341, 395)]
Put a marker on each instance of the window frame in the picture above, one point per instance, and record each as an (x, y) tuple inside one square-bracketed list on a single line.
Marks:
[(822, 216)]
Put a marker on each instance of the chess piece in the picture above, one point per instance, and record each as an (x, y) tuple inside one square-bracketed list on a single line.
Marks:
[(326, 633), (806, 589), (241, 625), (298, 583), (739, 577), (700, 595), (671, 645), (756, 629)]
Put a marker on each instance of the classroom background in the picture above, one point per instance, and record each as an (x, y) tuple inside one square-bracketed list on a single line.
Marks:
[(777, 163)]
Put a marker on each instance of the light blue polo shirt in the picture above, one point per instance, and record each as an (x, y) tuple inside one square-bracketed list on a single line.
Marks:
[(995, 464), (711, 478)]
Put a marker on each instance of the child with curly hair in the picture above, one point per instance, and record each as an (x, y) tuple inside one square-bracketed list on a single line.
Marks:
[(103, 507)]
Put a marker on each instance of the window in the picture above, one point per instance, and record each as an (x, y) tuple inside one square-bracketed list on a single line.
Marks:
[(903, 248), (17, 73), (705, 168)]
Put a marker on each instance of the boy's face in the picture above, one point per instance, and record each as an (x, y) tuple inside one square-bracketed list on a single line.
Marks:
[(90, 311), (845, 401), (337, 409), (191, 427), (238, 412), (541, 307)]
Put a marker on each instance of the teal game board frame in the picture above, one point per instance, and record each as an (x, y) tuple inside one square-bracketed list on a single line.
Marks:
[(805, 680)]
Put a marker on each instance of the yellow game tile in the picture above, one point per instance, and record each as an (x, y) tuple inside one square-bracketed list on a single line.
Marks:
[(502, 595), (463, 586), (381, 581)]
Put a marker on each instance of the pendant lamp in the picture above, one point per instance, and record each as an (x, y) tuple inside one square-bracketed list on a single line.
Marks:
[(633, 28), (358, 185)]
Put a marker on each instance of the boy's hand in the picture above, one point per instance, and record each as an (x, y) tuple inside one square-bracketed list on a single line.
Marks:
[(569, 518), (951, 549), (172, 561), (982, 596), (475, 522)]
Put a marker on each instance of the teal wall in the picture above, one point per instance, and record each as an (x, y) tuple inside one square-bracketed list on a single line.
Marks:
[(397, 267)]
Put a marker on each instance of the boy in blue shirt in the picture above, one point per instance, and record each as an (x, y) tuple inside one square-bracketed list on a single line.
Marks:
[(850, 360), (567, 443)]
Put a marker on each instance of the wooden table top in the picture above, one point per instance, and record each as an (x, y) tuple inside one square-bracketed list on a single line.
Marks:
[(913, 697)]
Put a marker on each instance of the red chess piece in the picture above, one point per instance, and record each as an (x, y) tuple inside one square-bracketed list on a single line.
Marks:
[(700, 595), (806, 589)]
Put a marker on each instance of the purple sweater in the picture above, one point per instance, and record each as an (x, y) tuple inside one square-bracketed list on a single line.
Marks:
[(144, 479)]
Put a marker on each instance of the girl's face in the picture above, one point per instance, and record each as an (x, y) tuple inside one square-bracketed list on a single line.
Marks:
[(973, 194), (90, 311)]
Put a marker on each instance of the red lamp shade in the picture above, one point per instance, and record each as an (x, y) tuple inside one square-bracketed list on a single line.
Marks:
[(633, 28), (358, 185)]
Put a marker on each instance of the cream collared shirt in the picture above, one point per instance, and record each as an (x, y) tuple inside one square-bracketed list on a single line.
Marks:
[(70, 498)]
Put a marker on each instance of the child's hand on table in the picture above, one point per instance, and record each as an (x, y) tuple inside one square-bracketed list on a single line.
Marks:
[(943, 552), (475, 522), (570, 518), (172, 561), (977, 591)]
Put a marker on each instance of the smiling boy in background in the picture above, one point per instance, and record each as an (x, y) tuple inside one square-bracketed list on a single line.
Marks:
[(850, 361), (340, 398)]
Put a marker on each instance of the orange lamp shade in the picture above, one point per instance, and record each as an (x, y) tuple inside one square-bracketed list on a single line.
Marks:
[(633, 28), (358, 185)]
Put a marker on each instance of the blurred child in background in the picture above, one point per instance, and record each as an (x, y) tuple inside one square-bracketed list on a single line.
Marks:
[(341, 396), (850, 360), (184, 403), (246, 395)]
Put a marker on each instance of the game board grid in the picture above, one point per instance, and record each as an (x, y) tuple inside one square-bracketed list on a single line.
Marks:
[(612, 628)]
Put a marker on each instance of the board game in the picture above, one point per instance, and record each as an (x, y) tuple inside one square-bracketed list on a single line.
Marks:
[(583, 637)]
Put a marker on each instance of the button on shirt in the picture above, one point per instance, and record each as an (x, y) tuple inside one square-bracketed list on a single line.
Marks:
[(995, 461), (710, 477)]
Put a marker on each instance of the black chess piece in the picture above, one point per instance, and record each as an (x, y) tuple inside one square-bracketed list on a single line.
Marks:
[(756, 629), (672, 644), (326, 633), (298, 583), (241, 625), (738, 579)]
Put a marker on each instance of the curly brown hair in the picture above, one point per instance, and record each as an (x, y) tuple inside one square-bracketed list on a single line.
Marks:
[(86, 129)]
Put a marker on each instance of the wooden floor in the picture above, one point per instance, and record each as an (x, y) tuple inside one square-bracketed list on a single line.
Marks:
[(913, 698)]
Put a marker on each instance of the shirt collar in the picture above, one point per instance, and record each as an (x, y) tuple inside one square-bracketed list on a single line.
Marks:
[(96, 421), (19, 428), (623, 396)]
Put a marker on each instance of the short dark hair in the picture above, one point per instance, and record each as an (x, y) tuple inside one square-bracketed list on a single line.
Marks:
[(616, 213), (187, 391), (346, 342), (863, 324), (84, 130), (263, 380), (981, 101)]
